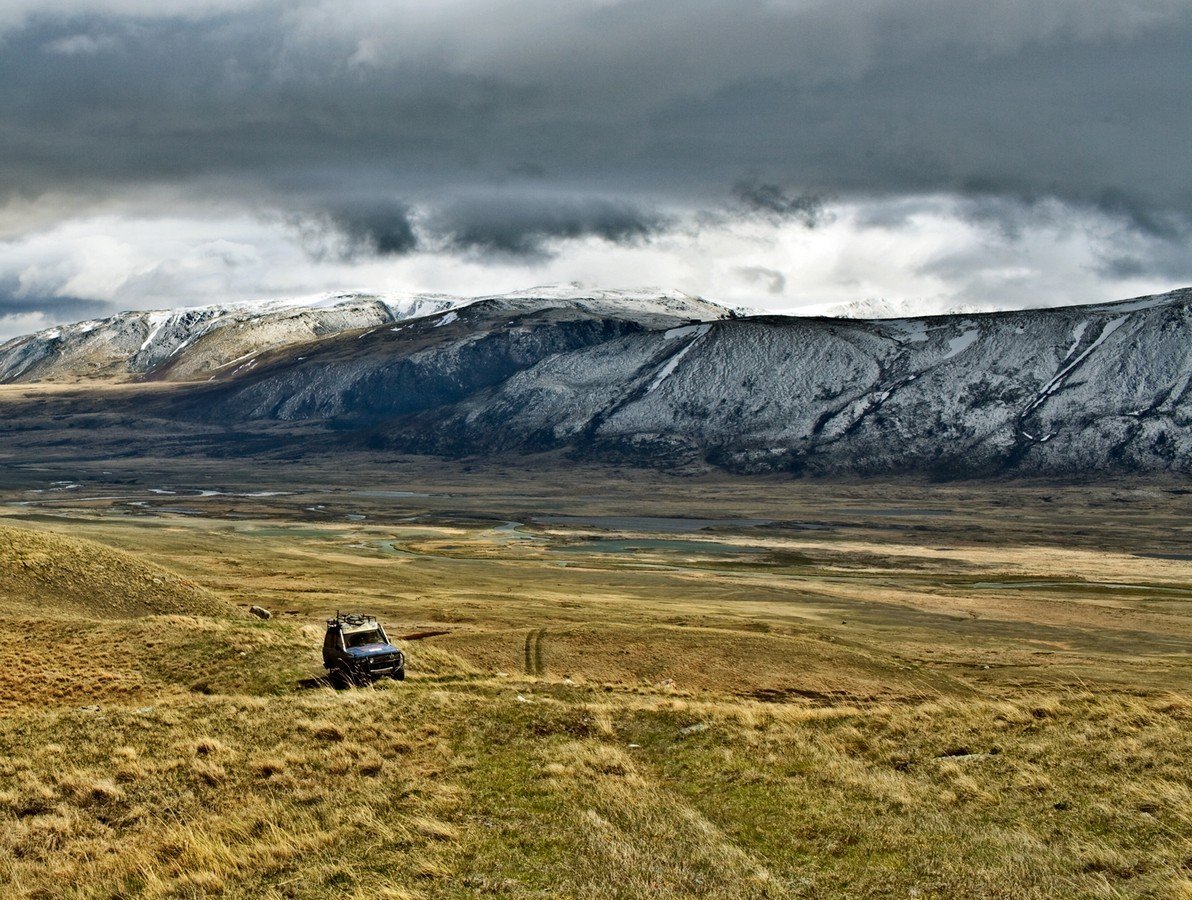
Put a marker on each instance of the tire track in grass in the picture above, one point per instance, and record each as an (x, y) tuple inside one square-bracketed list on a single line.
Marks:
[(533, 652)]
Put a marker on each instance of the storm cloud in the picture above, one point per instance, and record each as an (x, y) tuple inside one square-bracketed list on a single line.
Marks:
[(380, 227), (525, 226), (508, 128)]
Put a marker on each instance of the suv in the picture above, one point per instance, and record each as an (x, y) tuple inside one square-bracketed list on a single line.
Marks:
[(356, 650)]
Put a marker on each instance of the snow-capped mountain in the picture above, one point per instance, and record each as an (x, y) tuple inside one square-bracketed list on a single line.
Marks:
[(195, 343), (665, 379), (189, 344), (1062, 391)]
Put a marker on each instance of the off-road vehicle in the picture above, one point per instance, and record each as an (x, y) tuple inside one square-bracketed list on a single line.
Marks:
[(356, 650)]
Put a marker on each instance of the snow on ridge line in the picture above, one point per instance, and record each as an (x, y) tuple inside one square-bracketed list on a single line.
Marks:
[(217, 315), (887, 310), (411, 305), (401, 305)]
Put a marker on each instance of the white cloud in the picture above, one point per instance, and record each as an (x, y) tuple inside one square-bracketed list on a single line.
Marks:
[(929, 252), (16, 324)]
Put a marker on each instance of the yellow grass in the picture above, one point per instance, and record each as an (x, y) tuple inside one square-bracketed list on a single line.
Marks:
[(947, 712)]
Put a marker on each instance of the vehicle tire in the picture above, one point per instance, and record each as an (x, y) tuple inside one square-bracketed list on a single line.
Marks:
[(399, 675), (341, 678)]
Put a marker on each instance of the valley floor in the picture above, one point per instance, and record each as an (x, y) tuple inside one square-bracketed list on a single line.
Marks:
[(622, 684)]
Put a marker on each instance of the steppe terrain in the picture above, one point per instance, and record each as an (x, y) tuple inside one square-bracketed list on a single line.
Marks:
[(622, 683)]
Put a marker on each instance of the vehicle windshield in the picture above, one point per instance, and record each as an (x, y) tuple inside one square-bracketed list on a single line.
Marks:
[(360, 638)]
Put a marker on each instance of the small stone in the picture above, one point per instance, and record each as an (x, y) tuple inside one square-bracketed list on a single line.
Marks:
[(694, 729), (260, 612)]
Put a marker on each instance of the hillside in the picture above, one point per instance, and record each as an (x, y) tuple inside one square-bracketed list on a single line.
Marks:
[(739, 688), (190, 344), (197, 343), (48, 574), (666, 380), (1101, 388)]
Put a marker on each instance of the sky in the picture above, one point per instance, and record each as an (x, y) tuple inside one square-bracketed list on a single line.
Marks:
[(774, 154)]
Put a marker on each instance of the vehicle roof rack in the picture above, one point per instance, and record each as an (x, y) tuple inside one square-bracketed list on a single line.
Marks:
[(342, 619)]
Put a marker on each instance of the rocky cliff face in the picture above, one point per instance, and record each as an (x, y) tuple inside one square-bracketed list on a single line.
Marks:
[(667, 380)]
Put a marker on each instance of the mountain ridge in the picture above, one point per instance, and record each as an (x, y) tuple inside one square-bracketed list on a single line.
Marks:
[(673, 381), (192, 343)]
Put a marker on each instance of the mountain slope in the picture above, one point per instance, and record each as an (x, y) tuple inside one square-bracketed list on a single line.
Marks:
[(1095, 388), (669, 380), (435, 361), (198, 343), (191, 344)]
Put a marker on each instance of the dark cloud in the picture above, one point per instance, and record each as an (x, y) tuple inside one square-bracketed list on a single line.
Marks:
[(1135, 257), (773, 200), (493, 225), (1156, 222), (377, 227), (1079, 101), (352, 228), (525, 227)]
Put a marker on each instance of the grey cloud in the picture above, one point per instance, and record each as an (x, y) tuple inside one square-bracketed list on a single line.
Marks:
[(377, 227), (1157, 222), (350, 228), (15, 302), (878, 97), (524, 227), (771, 279), (1141, 257), (81, 44), (504, 225), (652, 104), (773, 200)]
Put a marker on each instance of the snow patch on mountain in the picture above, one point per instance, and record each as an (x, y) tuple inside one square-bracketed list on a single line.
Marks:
[(695, 332)]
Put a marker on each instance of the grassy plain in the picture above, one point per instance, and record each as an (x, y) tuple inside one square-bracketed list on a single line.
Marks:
[(638, 684)]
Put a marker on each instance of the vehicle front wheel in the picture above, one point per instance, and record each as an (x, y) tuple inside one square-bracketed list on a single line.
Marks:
[(399, 675)]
